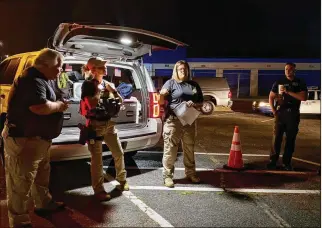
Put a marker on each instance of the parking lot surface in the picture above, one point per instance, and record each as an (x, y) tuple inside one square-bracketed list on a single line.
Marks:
[(254, 197)]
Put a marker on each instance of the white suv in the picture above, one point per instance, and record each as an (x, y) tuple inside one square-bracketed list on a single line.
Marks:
[(138, 123)]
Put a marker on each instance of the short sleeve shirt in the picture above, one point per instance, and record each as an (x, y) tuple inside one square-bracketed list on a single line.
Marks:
[(296, 85), (32, 88), (182, 91)]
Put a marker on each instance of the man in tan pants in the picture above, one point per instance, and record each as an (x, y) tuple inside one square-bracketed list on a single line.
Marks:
[(33, 120)]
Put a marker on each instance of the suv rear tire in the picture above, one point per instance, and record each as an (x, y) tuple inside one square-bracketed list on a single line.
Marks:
[(208, 107)]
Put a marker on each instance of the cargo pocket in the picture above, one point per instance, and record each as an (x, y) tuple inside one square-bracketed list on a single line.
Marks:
[(172, 133), (166, 132)]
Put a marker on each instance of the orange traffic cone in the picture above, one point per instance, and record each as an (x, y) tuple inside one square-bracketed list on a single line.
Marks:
[(235, 160)]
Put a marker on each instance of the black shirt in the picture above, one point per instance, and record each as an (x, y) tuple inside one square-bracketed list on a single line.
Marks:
[(296, 85), (32, 88), (182, 91)]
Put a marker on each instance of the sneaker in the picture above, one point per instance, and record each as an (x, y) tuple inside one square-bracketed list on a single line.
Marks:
[(102, 196), (52, 207), (194, 179), (271, 165), (123, 186), (168, 182), (287, 167)]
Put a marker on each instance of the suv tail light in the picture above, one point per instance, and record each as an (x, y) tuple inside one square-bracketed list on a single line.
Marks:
[(154, 110), (229, 94)]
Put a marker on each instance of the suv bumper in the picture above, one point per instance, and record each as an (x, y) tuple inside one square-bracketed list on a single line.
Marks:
[(66, 146)]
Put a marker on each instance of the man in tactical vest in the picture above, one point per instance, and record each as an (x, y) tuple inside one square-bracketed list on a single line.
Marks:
[(287, 94), (100, 101), (34, 118)]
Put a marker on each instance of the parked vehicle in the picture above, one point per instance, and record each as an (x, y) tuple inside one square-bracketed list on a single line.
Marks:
[(311, 106), (216, 92), (138, 123)]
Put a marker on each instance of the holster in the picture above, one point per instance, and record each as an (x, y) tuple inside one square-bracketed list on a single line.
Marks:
[(86, 134)]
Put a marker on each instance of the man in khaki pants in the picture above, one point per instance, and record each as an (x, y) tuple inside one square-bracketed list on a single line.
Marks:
[(34, 118)]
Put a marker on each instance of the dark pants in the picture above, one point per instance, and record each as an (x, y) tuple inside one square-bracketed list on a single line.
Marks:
[(285, 121)]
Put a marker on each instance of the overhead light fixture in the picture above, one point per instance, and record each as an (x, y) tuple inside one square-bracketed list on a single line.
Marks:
[(126, 41)]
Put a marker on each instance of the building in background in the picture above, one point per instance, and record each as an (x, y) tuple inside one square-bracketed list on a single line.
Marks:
[(246, 77)]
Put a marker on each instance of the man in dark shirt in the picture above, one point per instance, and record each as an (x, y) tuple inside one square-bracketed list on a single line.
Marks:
[(34, 118), (285, 100)]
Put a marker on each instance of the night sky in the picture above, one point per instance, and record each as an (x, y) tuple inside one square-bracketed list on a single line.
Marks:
[(213, 28)]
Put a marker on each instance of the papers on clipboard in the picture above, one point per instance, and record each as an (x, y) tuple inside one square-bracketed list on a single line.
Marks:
[(186, 115)]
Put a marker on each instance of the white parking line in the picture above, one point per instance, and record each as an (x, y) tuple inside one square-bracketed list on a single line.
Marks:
[(240, 190), (157, 168), (222, 114), (140, 204), (267, 120), (227, 154), (220, 170), (88, 190), (302, 160)]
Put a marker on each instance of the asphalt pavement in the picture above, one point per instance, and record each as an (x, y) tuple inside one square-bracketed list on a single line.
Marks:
[(254, 197)]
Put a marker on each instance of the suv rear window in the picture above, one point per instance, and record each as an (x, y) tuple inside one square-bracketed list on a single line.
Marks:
[(8, 74)]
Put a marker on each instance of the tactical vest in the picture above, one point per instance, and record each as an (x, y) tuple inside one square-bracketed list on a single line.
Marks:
[(108, 106)]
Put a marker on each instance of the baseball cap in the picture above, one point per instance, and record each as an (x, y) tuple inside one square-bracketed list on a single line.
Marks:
[(95, 62)]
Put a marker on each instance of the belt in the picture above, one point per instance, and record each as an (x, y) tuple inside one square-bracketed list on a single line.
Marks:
[(172, 117), (98, 119), (289, 110)]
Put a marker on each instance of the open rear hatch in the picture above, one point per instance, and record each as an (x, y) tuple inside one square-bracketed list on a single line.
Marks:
[(109, 41)]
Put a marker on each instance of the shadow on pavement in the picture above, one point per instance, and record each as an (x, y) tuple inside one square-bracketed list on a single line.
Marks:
[(88, 215), (219, 179), (71, 175)]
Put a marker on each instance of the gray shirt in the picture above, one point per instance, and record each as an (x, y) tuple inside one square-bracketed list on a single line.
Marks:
[(182, 91)]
